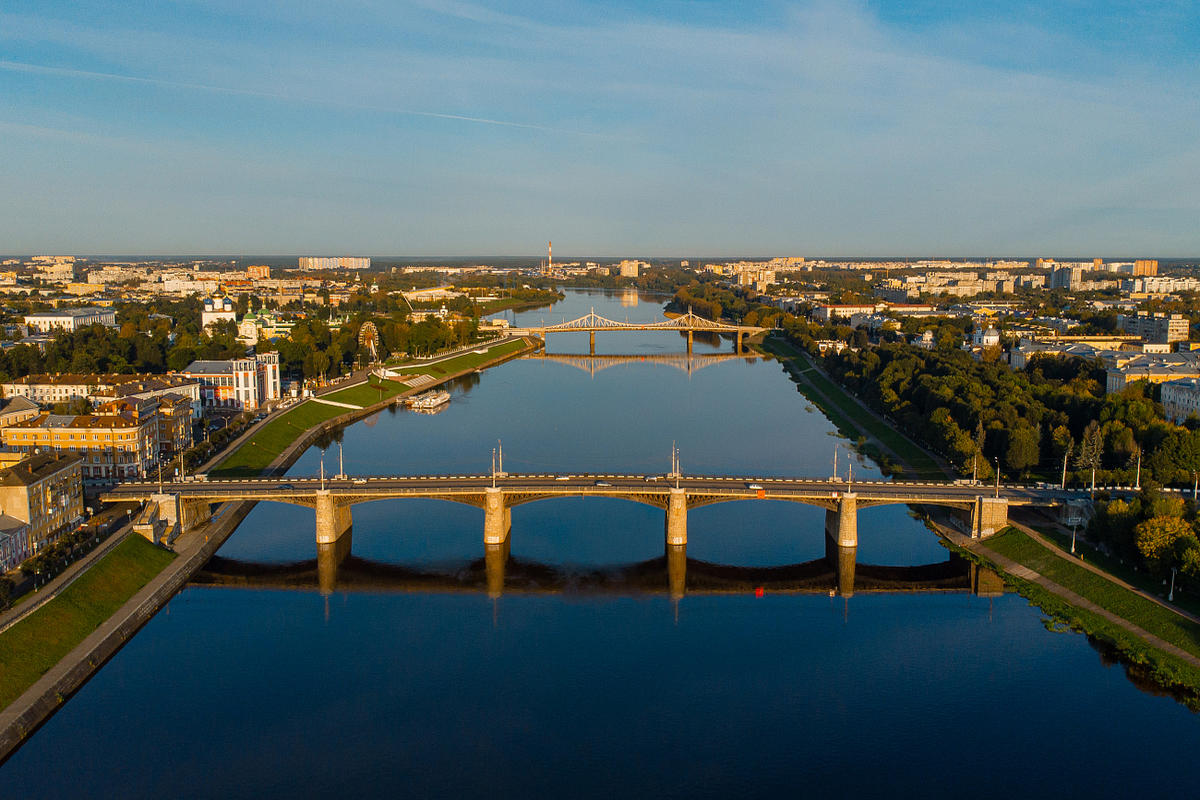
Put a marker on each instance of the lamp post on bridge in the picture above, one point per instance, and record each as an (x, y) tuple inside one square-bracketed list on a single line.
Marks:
[(997, 476)]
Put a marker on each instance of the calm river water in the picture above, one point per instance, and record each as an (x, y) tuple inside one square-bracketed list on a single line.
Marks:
[(235, 692)]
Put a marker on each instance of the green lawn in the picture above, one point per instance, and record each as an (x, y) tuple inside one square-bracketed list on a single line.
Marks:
[(366, 394), (469, 360), (851, 418), (38, 642), (1128, 605), (253, 456), (1115, 567)]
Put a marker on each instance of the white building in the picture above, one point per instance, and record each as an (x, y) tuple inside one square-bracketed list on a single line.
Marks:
[(244, 384), (986, 338), (342, 262), (1181, 399), (217, 309), (70, 319)]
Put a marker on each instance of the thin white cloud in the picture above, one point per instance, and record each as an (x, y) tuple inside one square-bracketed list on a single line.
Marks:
[(40, 69)]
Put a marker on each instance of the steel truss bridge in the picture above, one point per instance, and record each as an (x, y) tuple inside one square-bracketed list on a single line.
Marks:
[(689, 323)]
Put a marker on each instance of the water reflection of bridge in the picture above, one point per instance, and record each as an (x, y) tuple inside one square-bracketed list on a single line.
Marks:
[(336, 570), (685, 362)]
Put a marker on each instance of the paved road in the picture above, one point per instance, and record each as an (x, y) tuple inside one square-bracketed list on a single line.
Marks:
[(573, 484)]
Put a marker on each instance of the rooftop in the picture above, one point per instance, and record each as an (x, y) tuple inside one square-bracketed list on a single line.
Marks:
[(35, 468)]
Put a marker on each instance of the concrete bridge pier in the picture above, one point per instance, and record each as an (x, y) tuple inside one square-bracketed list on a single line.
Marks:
[(676, 526), (497, 517), (842, 525), (495, 557), (988, 516), (180, 515), (691, 337), (333, 518), (329, 558), (841, 541), (739, 342), (591, 343), (677, 570)]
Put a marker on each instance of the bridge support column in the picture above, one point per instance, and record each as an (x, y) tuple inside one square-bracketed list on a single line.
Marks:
[(497, 517), (842, 525), (677, 570), (495, 557), (739, 342), (180, 515), (841, 541), (333, 518), (591, 343), (691, 336), (989, 515), (677, 518), (329, 558)]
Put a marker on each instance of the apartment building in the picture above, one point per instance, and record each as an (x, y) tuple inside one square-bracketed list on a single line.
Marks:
[(1157, 327), (44, 492), (111, 446), (244, 384)]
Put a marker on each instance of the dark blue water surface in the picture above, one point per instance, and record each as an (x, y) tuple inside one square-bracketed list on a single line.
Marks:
[(265, 692)]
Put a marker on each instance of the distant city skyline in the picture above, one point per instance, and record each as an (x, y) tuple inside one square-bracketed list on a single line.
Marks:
[(447, 129)]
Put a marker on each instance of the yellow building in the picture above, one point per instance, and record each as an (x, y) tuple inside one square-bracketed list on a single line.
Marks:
[(44, 491), (113, 447)]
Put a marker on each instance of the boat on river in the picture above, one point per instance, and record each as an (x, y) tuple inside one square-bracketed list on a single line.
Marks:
[(429, 400)]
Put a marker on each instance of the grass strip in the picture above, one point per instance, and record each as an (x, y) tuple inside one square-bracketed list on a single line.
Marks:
[(849, 417), (1146, 614), (367, 393), (468, 360), (1118, 568), (255, 454), (38, 642), (1142, 661)]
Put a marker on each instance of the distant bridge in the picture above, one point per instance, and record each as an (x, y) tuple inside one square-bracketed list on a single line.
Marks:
[(688, 323), (184, 504)]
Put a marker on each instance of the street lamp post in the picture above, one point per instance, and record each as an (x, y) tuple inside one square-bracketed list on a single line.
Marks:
[(997, 476), (1171, 595)]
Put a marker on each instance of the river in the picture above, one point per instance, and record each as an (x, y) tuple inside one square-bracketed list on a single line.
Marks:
[(250, 692)]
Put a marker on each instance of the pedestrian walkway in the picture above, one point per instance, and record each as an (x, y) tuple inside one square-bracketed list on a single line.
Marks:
[(336, 403)]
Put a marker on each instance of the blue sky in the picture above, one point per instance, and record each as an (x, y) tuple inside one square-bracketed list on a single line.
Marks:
[(448, 127)]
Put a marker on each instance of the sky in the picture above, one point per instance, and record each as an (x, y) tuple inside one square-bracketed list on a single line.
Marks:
[(657, 128)]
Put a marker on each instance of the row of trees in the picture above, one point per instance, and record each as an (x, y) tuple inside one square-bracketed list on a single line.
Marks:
[(1155, 530)]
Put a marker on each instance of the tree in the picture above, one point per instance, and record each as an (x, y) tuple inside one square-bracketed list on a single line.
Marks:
[(1091, 448), (1158, 540), (1022, 449)]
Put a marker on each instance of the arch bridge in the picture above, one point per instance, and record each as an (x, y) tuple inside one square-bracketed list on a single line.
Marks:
[(688, 323), (184, 504)]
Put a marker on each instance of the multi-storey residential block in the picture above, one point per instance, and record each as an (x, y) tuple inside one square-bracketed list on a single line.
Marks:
[(113, 446), (64, 387), (43, 491), (1181, 399), (1158, 327), (241, 383)]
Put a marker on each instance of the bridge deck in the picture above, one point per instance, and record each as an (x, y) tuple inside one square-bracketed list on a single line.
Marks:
[(644, 488)]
